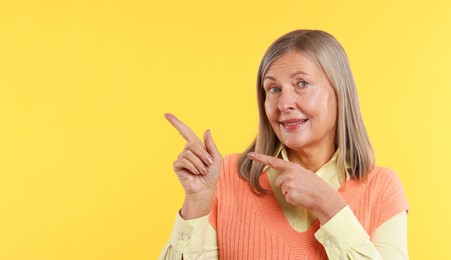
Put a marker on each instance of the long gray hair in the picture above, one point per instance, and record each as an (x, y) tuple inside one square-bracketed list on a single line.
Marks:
[(355, 153)]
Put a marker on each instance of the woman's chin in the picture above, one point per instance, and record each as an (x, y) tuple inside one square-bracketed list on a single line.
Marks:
[(294, 144)]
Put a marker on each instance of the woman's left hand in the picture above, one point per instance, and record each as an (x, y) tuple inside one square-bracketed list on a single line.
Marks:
[(302, 187)]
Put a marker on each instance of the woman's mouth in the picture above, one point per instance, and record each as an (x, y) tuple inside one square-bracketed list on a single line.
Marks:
[(293, 123)]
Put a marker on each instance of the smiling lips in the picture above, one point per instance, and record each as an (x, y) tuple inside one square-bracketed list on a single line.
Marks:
[(292, 124)]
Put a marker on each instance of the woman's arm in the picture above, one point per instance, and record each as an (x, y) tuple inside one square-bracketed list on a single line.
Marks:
[(343, 237), (191, 239), (390, 238), (197, 168), (341, 234)]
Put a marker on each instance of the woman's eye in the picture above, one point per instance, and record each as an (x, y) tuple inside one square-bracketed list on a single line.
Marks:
[(302, 84), (274, 90)]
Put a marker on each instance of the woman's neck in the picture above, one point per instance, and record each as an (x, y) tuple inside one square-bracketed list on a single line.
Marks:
[(312, 159)]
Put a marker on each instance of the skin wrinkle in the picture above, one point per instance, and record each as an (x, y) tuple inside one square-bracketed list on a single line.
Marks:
[(313, 144), (298, 103)]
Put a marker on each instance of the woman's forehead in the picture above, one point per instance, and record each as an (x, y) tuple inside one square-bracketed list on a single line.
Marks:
[(291, 64)]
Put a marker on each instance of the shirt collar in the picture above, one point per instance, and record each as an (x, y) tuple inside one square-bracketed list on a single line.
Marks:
[(281, 153), (327, 172)]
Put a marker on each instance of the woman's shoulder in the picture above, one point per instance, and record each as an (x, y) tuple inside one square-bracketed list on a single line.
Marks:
[(387, 182), (388, 191), (379, 178), (382, 174)]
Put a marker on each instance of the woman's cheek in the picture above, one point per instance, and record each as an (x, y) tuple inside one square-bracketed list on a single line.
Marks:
[(270, 108)]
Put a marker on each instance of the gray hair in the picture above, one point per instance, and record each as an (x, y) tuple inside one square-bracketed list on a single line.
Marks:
[(355, 153)]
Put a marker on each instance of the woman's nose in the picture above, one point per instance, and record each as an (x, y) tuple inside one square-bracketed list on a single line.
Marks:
[(287, 100)]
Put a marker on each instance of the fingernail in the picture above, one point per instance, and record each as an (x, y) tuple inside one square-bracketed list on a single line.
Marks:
[(251, 155), (204, 170), (167, 115), (210, 160), (206, 134)]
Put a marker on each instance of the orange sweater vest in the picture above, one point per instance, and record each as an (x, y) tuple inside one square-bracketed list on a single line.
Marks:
[(254, 227)]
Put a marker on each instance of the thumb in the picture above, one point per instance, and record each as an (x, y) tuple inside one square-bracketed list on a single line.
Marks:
[(211, 146)]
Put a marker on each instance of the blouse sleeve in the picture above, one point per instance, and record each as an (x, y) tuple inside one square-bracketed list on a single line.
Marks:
[(191, 239), (344, 238)]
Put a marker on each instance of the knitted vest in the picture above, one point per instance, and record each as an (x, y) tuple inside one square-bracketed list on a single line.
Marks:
[(254, 227)]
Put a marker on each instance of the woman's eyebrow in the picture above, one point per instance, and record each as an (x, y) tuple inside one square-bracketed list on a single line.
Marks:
[(270, 78), (299, 72), (292, 75)]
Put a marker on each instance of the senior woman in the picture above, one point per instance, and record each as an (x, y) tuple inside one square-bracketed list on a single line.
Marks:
[(307, 187)]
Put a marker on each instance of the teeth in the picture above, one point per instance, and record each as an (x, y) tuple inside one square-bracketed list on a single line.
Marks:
[(296, 123)]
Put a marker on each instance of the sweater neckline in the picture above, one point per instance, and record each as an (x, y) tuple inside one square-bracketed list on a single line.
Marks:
[(272, 208)]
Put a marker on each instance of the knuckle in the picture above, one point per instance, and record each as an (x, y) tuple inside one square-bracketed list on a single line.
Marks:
[(188, 145), (184, 161), (286, 177), (284, 187), (299, 169), (193, 146), (288, 186), (187, 153), (184, 154), (270, 161), (198, 146), (175, 165)]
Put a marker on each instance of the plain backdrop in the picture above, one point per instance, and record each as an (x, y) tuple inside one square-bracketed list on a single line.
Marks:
[(86, 154)]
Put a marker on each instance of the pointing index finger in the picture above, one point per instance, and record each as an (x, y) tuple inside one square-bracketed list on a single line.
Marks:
[(270, 161), (183, 129)]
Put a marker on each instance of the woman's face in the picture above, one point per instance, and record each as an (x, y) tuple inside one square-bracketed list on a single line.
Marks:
[(300, 103)]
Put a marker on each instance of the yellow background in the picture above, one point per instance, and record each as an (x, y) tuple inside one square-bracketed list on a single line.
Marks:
[(86, 154)]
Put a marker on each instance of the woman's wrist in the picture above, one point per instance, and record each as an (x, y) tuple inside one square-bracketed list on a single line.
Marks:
[(328, 206), (196, 206)]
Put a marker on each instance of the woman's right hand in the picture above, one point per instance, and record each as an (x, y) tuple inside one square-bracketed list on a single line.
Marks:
[(197, 168)]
